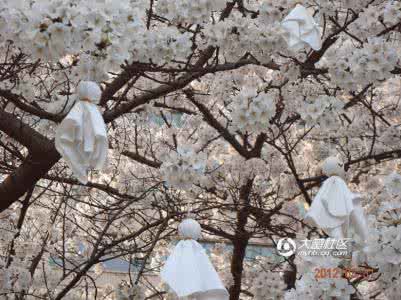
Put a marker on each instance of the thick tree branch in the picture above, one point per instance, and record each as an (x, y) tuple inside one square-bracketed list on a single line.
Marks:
[(388, 155), (211, 120), (18, 102), (35, 142), (42, 156), (141, 159)]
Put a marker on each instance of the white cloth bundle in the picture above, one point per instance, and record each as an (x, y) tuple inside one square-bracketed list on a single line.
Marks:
[(188, 270), (335, 208), (81, 138), (301, 30)]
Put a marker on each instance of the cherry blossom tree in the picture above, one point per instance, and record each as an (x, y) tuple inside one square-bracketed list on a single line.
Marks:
[(208, 113)]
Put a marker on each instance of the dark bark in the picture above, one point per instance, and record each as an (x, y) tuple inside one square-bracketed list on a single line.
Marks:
[(240, 241), (41, 158)]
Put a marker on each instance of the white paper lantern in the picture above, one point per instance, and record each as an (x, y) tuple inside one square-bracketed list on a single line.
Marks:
[(301, 30), (81, 138), (89, 91), (188, 270), (335, 209), (190, 229), (332, 166)]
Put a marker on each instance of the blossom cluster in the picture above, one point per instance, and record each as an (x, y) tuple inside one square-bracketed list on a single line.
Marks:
[(125, 292), (392, 13), (50, 32), (322, 111), (162, 46), (195, 12), (371, 63), (310, 287), (268, 285), (183, 168), (383, 252), (236, 35), (252, 111), (393, 183)]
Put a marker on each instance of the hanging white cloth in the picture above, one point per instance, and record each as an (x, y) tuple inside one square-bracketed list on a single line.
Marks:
[(188, 270), (301, 29), (81, 138), (335, 209)]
